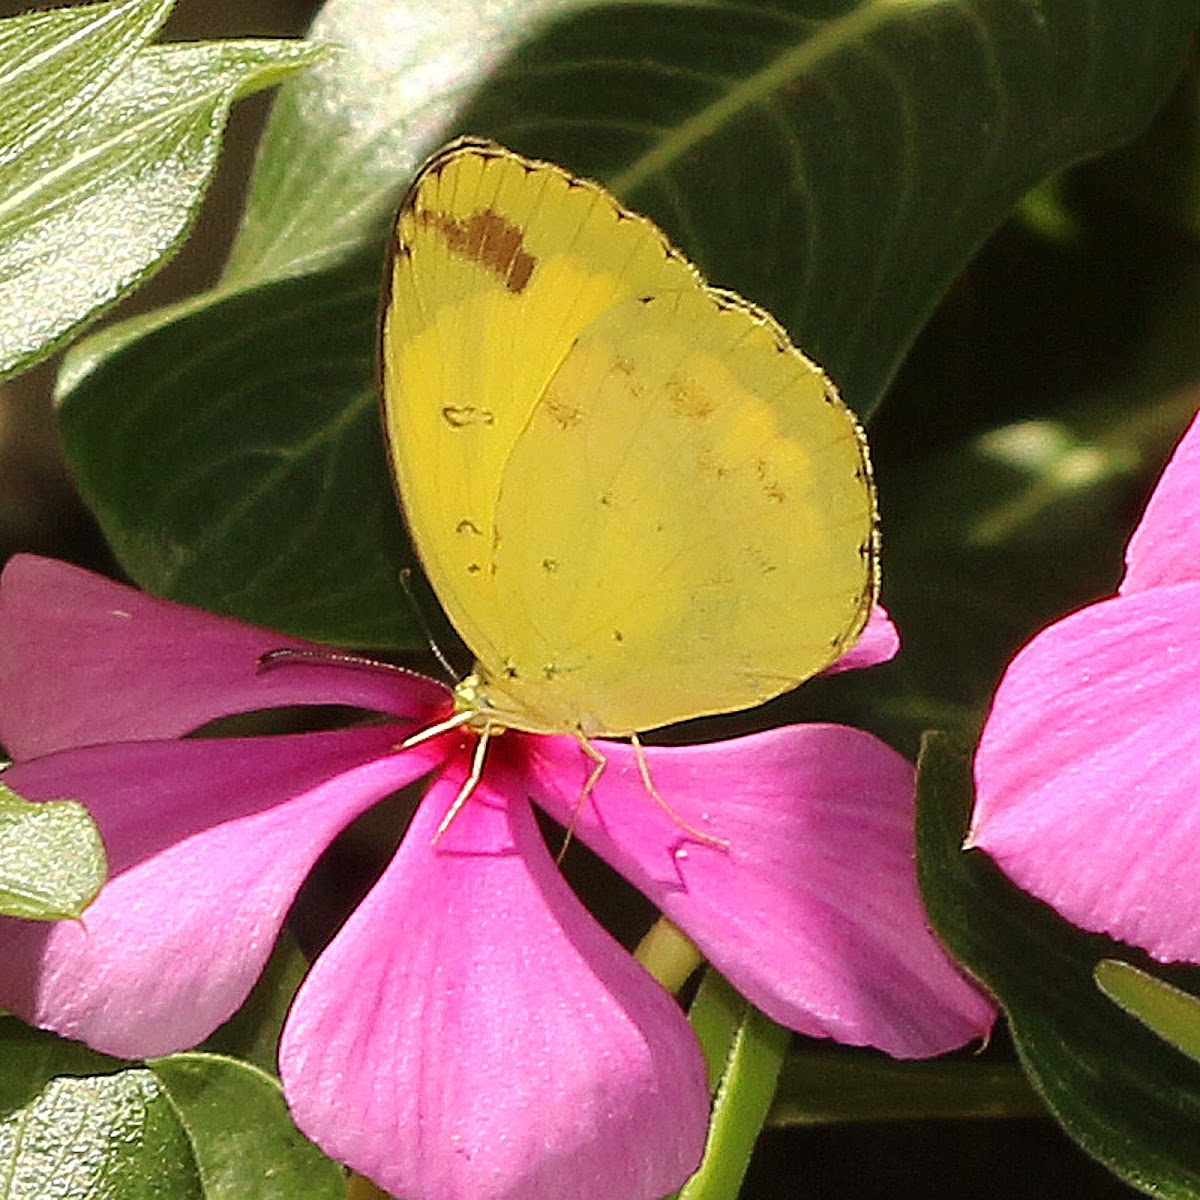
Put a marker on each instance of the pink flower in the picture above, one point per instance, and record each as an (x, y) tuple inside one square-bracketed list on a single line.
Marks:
[(471, 1032), (1088, 772)]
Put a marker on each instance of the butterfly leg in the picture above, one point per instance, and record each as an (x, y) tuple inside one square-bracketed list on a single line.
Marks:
[(639, 754), (599, 762), (469, 784), (432, 731)]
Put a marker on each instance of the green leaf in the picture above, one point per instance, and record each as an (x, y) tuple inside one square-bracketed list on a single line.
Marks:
[(300, 490), (246, 1145), (838, 164), (78, 1125), (30, 1058), (1126, 1096), (86, 1128), (744, 1050), (340, 148), (1169, 1011), (54, 63), (864, 150), (108, 145), (1159, 174), (52, 861)]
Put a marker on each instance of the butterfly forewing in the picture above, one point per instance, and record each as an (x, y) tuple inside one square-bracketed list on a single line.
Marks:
[(499, 264)]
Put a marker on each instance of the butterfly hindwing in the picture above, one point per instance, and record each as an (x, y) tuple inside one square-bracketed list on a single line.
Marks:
[(684, 526)]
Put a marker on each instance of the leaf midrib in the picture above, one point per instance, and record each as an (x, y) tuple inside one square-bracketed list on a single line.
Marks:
[(831, 38), (216, 91)]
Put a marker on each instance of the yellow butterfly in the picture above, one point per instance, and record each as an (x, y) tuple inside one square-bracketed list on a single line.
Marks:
[(636, 500)]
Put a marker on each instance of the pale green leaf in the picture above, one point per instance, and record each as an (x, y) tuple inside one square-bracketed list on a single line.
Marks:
[(110, 146), (52, 861), (1169, 1011), (78, 1126)]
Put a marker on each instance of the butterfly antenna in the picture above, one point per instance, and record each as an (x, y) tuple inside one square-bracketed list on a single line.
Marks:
[(319, 654), (406, 583)]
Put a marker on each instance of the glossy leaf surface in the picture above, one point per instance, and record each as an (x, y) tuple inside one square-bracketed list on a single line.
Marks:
[(108, 145), (838, 164)]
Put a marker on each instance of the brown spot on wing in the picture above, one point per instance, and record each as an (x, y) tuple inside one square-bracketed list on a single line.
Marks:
[(564, 414), (768, 481), (460, 416), (487, 239), (687, 398)]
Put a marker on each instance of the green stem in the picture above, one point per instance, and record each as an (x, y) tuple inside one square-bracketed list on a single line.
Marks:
[(744, 1051), (668, 954)]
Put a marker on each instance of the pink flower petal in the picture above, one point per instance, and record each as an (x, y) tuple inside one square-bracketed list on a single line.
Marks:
[(85, 660), (472, 1034), (208, 841), (1165, 547), (878, 643), (813, 911), (1086, 774)]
